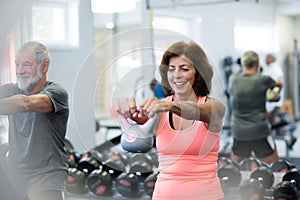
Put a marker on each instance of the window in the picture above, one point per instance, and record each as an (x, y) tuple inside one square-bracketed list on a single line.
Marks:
[(55, 23), (259, 37)]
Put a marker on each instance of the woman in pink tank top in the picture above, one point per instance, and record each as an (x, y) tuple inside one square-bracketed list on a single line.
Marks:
[(187, 135)]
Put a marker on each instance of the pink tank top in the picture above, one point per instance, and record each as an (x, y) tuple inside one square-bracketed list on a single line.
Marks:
[(187, 161)]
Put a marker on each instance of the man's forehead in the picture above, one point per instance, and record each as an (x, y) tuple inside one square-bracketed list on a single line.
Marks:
[(25, 55)]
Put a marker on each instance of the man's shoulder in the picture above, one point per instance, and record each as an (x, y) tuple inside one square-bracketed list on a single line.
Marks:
[(54, 87)]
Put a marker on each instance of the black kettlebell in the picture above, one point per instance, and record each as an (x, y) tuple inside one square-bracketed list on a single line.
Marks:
[(265, 175), (286, 190), (230, 176), (252, 189), (76, 181), (281, 166), (127, 184), (149, 183), (249, 164), (100, 183)]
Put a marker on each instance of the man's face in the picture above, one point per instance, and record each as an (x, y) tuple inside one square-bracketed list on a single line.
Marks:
[(27, 70)]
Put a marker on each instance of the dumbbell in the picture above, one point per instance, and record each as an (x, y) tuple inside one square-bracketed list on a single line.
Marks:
[(115, 164), (273, 94), (127, 184), (261, 178), (230, 176), (281, 166), (289, 187), (249, 164), (100, 183), (76, 181), (149, 183), (141, 165)]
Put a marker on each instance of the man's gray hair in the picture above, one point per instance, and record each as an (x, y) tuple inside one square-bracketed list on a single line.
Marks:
[(41, 51), (250, 59)]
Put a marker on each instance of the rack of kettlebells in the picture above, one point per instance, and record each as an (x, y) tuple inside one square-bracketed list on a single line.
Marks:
[(255, 179), (122, 175), (106, 172)]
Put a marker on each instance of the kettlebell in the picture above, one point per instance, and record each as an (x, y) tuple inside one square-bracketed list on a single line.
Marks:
[(137, 138)]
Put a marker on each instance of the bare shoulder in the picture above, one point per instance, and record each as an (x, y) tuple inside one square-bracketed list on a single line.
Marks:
[(217, 104)]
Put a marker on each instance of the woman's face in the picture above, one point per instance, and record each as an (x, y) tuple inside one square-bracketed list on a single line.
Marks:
[(181, 76)]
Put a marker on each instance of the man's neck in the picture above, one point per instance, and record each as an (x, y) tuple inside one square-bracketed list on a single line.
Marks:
[(250, 71), (38, 86)]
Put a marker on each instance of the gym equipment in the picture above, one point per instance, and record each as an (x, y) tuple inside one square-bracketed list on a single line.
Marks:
[(149, 183), (252, 189), (141, 165), (76, 181), (100, 183), (261, 178), (264, 175), (127, 184), (115, 164), (289, 187), (68, 145), (137, 138), (273, 94), (230, 176), (281, 166), (153, 157), (222, 161), (87, 164), (286, 190), (292, 175), (249, 164), (73, 158)]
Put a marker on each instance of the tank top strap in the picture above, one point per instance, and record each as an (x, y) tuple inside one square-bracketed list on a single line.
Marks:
[(201, 99)]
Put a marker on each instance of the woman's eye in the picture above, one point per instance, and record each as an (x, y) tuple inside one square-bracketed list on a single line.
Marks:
[(171, 68)]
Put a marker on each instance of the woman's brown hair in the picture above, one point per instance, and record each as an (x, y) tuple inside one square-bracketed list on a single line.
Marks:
[(197, 58)]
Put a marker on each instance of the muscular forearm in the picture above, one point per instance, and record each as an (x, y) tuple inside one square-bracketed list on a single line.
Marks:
[(208, 112), (22, 103), (186, 109), (14, 104)]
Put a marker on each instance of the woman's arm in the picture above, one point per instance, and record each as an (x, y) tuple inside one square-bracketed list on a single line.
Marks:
[(211, 112)]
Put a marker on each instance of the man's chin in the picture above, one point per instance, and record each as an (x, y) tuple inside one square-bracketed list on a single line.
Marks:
[(22, 87)]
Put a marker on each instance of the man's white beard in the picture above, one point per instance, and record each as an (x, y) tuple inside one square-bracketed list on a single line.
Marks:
[(31, 83)]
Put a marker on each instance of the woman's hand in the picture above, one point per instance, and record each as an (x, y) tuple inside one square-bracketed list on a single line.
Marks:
[(129, 109), (151, 105)]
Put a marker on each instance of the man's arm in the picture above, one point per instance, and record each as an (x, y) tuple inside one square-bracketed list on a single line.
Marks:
[(22, 103)]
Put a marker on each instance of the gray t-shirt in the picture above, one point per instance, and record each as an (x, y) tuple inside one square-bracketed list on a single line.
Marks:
[(248, 103), (36, 140)]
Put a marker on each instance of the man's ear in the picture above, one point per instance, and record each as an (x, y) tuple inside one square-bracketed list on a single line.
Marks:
[(45, 66)]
